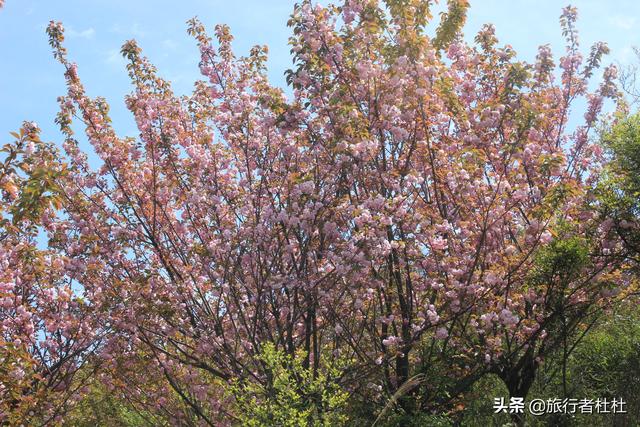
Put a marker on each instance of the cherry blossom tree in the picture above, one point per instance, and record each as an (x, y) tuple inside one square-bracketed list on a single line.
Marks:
[(46, 330), (419, 208)]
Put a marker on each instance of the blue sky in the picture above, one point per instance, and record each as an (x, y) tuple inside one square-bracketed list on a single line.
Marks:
[(30, 79)]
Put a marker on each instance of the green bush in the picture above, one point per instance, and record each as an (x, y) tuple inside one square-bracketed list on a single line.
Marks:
[(291, 396)]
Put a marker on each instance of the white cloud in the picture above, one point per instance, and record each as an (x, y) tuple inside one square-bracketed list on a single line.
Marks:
[(627, 55), (170, 44), (84, 34), (134, 30), (114, 57), (622, 22)]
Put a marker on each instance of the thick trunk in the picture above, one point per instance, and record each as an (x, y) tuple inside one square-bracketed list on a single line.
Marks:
[(519, 385), (519, 378), (406, 401)]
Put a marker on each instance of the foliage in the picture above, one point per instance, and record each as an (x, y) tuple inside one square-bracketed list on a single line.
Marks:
[(603, 365), (292, 395), (621, 189), (99, 407)]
